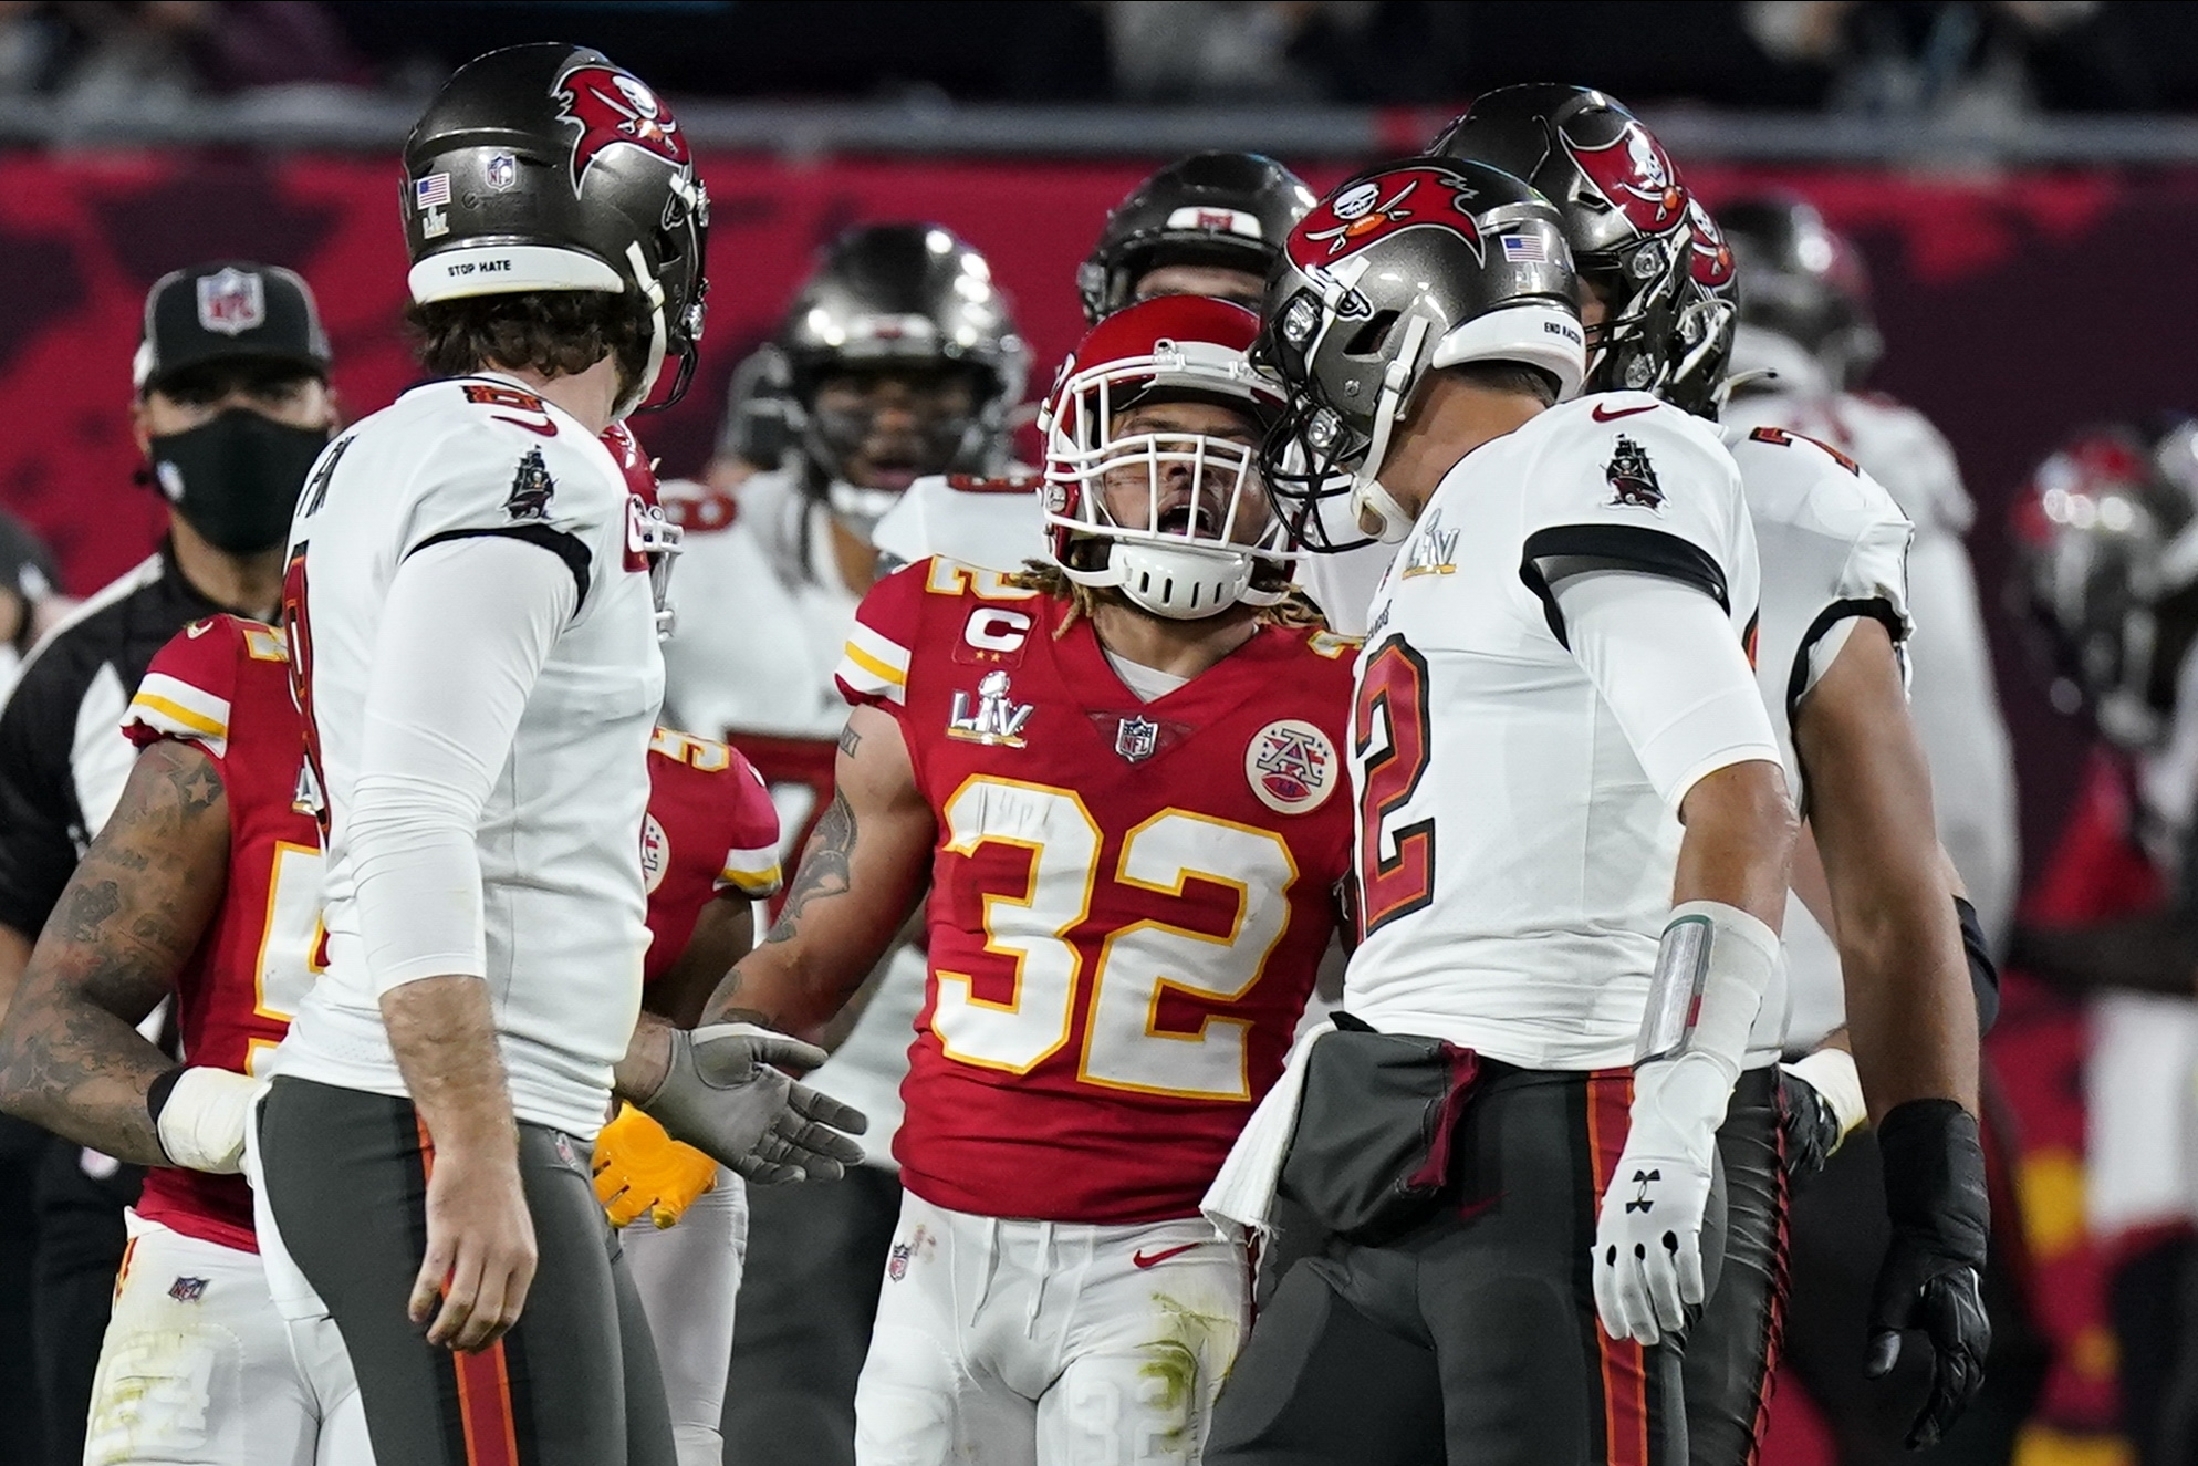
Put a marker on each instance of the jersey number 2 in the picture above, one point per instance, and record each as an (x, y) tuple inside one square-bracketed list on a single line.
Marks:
[(1396, 862), (1124, 1046)]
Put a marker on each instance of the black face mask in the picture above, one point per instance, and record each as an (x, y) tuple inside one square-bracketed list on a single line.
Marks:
[(236, 479)]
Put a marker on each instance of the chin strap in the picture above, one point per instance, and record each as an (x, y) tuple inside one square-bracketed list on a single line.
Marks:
[(653, 292), (1389, 523)]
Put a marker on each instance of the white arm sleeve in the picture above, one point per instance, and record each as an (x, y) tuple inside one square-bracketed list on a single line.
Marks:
[(464, 633), (1665, 658)]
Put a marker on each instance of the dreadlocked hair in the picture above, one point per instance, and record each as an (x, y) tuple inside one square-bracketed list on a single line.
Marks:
[(1049, 579)]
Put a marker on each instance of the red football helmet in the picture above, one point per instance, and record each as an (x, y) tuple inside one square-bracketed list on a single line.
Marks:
[(1207, 536)]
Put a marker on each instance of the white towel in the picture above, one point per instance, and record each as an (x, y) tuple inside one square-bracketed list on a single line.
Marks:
[(1242, 1196)]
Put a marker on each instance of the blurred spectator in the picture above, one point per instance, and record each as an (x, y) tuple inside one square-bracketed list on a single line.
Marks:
[(1960, 58), (136, 55)]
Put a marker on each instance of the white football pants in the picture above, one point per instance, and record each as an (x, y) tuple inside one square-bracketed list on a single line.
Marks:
[(688, 1277), (198, 1366), (1007, 1343)]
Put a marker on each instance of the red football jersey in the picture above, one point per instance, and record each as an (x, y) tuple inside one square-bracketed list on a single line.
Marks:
[(223, 685), (710, 828), (1128, 899)]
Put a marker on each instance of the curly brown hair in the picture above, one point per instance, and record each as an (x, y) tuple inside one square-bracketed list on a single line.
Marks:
[(558, 333)]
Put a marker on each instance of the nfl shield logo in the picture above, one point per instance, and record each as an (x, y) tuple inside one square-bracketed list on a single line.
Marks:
[(231, 302), (503, 170), (187, 1290), (1136, 739)]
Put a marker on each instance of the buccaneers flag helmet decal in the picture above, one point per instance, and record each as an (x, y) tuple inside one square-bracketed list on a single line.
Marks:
[(613, 109), (1632, 172), (1394, 200)]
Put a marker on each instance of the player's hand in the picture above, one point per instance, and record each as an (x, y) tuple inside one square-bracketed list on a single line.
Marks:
[(1931, 1279), (1648, 1245), (722, 1095), (641, 1171), (1809, 1127), (480, 1250)]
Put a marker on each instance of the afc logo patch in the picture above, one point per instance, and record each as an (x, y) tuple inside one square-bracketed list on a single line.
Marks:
[(1291, 766), (656, 853)]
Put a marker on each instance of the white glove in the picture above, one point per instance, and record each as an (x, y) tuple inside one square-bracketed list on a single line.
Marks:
[(1648, 1244), (722, 1096), (1648, 1237), (201, 1123)]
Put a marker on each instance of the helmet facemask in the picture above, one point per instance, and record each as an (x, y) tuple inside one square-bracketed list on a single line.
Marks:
[(934, 421), (1149, 498)]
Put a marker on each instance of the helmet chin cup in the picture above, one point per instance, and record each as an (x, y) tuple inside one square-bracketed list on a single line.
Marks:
[(1378, 513), (1180, 583), (859, 508)]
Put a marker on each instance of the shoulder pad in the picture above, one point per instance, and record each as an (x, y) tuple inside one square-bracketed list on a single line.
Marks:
[(698, 508), (970, 483)]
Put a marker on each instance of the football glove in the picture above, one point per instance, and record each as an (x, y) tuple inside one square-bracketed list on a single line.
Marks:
[(1819, 1105), (642, 1172), (1930, 1281), (722, 1095)]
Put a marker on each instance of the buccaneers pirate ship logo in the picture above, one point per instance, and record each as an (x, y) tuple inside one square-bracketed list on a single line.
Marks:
[(612, 110), (1632, 477)]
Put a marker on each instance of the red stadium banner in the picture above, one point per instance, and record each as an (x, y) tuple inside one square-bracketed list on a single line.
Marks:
[(2013, 307)]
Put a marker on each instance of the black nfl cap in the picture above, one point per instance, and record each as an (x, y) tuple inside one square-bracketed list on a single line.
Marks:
[(233, 308)]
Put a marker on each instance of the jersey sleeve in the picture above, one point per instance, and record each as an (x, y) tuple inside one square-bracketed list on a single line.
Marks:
[(1873, 583), (752, 831), (508, 468), (187, 690), (1632, 484), (873, 667)]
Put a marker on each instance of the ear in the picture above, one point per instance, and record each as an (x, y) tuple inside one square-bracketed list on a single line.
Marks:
[(141, 428)]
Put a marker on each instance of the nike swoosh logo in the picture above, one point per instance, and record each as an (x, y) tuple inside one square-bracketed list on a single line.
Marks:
[(1154, 1259), (545, 428), (1602, 414), (198, 629)]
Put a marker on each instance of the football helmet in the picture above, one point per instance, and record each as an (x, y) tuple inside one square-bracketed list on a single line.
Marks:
[(546, 167), (1208, 537), (2106, 564), (1227, 209), (1805, 282), (1427, 263), (908, 295), (1653, 254)]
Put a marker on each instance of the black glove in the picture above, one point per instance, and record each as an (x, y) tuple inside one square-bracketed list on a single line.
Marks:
[(1931, 1278), (1810, 1129)]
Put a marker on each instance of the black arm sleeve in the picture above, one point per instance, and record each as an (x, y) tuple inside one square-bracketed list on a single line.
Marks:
[(38, 813)]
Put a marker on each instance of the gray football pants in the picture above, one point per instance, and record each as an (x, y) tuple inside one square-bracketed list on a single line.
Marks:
[(574, 1383)]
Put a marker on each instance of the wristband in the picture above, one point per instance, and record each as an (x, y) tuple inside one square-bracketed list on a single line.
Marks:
[(156, 1094), (1934, 1177), (1984, 977), (1831, 1073)]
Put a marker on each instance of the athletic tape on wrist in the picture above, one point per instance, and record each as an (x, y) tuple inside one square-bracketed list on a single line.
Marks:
[(1713, 967), (202, 1117)]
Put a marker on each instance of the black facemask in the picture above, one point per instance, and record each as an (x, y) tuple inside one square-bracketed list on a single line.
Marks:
[(236, 479)]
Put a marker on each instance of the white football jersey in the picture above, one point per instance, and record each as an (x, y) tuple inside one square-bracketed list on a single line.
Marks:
[(1952, 695), (994, 524), (763, 617), (561, 883), (1518, 872), (1833, 547)]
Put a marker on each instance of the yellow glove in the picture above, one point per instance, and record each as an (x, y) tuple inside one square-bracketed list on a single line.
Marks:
[(641, 1171)]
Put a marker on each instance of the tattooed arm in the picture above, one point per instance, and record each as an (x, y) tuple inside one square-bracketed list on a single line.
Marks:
[(859, 877), (71, 1058)]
